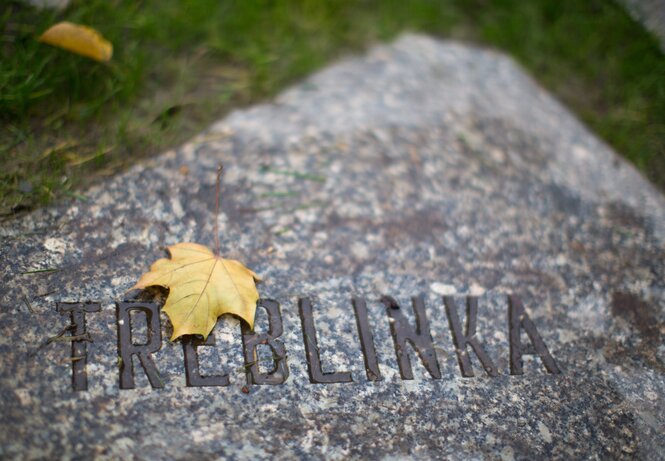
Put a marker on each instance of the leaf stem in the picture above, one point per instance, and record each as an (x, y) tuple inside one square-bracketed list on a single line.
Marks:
[(220, 168)]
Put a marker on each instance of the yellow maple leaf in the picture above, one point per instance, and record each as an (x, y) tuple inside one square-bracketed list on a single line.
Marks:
[(78, 39), (202, 286)]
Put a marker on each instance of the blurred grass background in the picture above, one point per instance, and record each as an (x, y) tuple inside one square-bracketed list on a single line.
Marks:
[(178, 65)]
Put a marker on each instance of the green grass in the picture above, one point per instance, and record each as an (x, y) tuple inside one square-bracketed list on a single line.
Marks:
[(178, 65)]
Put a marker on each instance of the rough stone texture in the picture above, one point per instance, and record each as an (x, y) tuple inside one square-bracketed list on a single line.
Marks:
[(651, 13), (57, 4), (425, 167)]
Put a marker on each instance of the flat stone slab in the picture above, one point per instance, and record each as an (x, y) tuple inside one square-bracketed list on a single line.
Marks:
[(424, 169)]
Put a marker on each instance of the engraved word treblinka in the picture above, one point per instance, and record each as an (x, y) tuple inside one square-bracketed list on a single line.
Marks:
[(133, 356)]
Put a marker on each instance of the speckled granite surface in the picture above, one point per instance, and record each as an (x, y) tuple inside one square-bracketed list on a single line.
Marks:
[(423, 168)]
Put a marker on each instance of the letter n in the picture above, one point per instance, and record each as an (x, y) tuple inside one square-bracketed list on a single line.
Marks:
[(419, 337)]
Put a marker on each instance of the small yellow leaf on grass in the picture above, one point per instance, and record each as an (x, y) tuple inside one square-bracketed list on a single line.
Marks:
[(78, 39), (202, 286)]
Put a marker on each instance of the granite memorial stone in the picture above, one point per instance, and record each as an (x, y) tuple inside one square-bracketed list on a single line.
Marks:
[(453, 267)]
